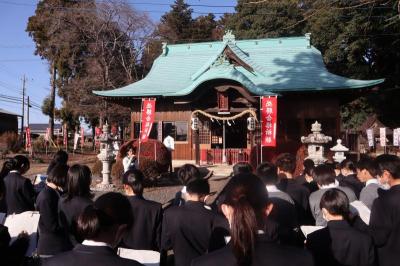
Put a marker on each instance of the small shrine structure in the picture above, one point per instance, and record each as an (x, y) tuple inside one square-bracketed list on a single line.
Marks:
[(315, 144)]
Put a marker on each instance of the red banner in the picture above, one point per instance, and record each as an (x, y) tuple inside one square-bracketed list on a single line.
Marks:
[(148, 114), (82, 137), (269, 115), (28, 141)]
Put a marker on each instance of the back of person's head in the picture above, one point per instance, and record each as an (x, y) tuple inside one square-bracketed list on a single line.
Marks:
[(389, 163), (134, 179), (199, 187), (247, 196), (348, 165), (368, 164), (335, 202), (108, 218), (58, 175), (79, 180), (324, 175), (309, 167), (242, 168), (20, 163), (60, 157), (7, 167), (188, 173), (286, 162), (268, 173)]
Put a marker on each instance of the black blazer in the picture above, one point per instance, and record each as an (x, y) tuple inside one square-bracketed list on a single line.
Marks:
[(83, 255), (300, 195), (385, 226), (20, 196), (265, 253), (68, 213), (351, 181), (192, 230), (145, 232), (340, 244), (52, 237)]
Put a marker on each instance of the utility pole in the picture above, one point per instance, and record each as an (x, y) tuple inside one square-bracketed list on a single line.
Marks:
[(23, 107), (27, 117)]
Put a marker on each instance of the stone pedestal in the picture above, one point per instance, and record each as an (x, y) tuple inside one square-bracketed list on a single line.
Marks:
[(106, 156)]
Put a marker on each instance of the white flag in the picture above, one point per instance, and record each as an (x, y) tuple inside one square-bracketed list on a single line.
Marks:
[(396, 136), (382, 137), (76, 138), (370, 136)]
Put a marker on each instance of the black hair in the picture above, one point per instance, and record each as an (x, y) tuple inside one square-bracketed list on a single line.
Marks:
[(108, 210), (368, 164), (60, 157), (309, 167), (336, 202), (324, 175), (7, 166), (58, 175), (268, 173), (134, 179), (390, 163), (79, 180), (247, 195), (19, 162), (242, 168), (188, 173), (199, 187), (286, 162), (348, 164), (132, 148)]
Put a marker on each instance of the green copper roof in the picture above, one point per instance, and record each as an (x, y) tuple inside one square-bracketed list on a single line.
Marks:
[(277, 65)]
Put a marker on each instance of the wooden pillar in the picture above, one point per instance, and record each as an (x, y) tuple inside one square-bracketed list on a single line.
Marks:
[(132, 136), (197, 146)]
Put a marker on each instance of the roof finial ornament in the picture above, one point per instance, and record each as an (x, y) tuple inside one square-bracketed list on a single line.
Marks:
[(229, 37), (164, 48)]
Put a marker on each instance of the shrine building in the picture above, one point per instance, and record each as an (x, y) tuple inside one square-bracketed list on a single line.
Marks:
[(221, 83)]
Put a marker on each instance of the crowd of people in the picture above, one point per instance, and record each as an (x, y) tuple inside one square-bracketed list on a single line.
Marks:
[(255, 220)]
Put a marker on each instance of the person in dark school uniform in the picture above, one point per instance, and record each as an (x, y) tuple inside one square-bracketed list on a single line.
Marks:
[(348, 177), (186, 173), (78, 197), (306, 178), (52, 237), (286, 164), (145, 232), (246, 206), (385, 214), (338, 243), (20, 196), (367, 172), (102, 227), (192, 230)]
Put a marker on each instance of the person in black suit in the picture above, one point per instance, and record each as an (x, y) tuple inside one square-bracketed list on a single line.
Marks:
[(5, 170), (385, 213), (246, 206), (286, 164), (192, 230), (78, 197), (339, 243), (52, 237), (102, 227), (14, 253), (186, 174), (20, 196), (348, 177), (306, 178), (145, 232)]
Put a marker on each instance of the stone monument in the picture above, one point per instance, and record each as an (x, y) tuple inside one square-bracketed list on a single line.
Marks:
[(339, 150), (106, 156), (315, 143)]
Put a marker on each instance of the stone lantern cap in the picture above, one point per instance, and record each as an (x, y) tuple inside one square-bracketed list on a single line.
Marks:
[(339, 147), (316, 137)]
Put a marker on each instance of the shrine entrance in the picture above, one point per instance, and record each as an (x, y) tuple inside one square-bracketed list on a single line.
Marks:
[(235, 134)]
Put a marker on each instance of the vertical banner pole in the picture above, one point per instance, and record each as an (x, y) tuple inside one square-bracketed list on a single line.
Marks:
[(261, 128), (140, 132)]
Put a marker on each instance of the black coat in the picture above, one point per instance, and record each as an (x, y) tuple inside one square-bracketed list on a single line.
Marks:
[(339, 244), (52, 237), (69, 211), (145, 232), (192, 230), (385, 226), (83, 255), (351, 181), (265, 253), (20, 196)]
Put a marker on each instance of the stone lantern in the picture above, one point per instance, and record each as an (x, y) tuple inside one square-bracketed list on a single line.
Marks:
[(315, 143), (339, 150), (106, 156)]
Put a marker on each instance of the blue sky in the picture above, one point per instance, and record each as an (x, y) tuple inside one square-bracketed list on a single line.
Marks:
[(17, 48)]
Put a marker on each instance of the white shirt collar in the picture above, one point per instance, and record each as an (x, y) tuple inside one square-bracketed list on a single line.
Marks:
[(14, 171), (371, 181), (332, 185), (228, 238), (94, 243), (272, 188)]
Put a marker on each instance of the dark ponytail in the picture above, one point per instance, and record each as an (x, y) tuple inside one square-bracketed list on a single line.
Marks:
[(7, 167), (247, 195)]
